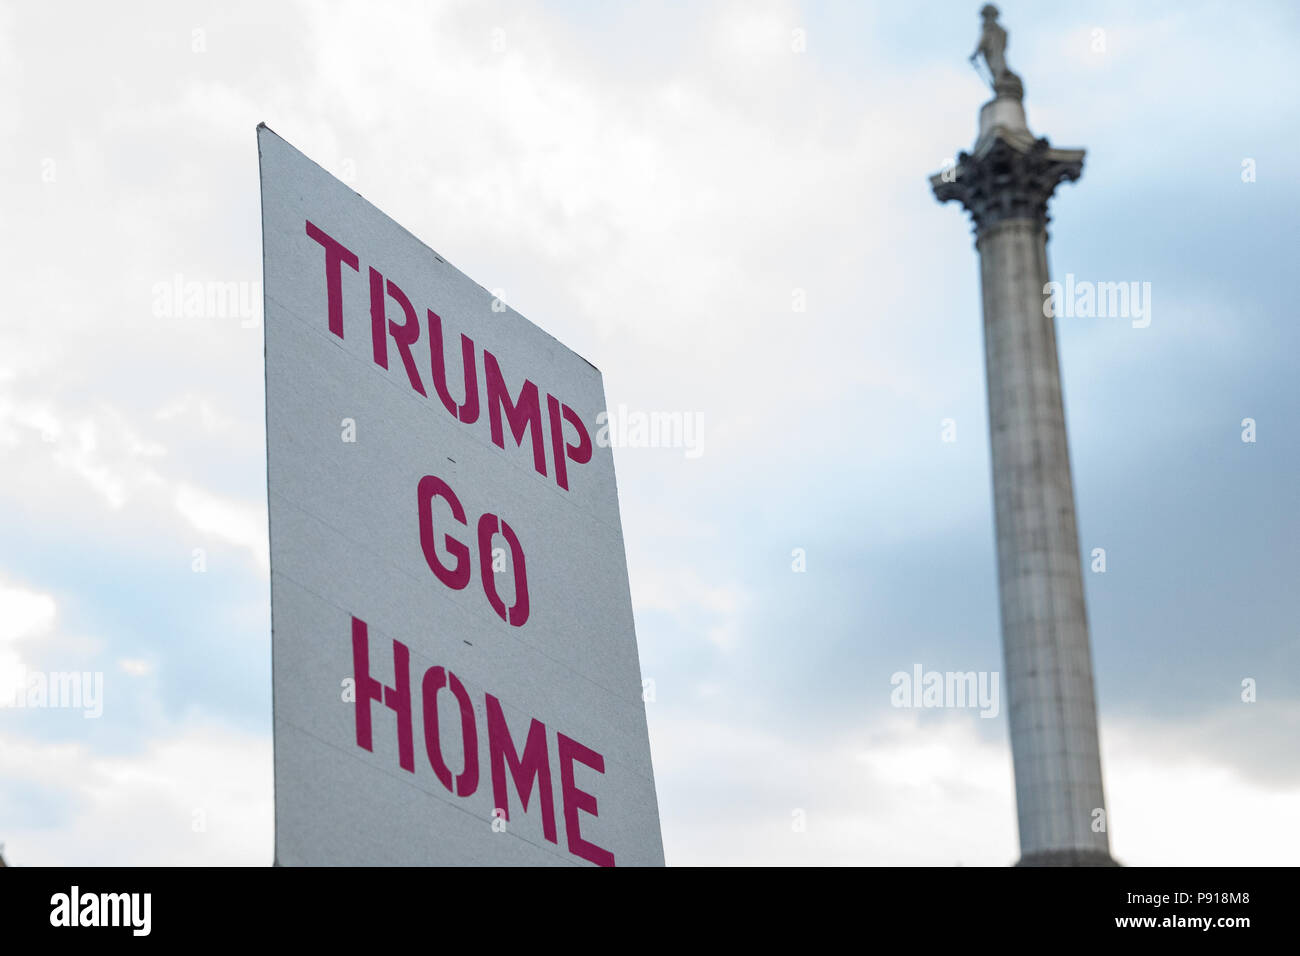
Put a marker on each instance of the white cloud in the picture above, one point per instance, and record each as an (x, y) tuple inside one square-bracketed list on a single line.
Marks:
[(235, 522), (24, 614), (136, 667), (900, 795), (1195, 812), (55, 456), (192, 407), (199, 796), (937, 793), (97, 448), (1215, 789)]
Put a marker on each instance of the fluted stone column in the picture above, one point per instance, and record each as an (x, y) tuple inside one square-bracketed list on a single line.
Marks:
[(1005, 184)]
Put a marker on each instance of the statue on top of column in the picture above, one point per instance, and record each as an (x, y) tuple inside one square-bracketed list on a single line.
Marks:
[(993, 45)]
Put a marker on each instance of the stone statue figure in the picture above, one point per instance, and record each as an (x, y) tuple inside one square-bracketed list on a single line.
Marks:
[(993, 45)]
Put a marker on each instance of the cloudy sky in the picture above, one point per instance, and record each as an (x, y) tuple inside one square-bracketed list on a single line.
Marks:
[(726, 208)]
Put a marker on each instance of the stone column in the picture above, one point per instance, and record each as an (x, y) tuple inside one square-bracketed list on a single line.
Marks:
[(1005, 184)]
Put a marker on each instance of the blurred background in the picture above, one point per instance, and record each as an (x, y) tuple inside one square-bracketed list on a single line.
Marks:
[(725, 207)]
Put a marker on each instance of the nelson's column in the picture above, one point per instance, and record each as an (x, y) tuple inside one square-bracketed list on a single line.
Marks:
[(1005, 183)]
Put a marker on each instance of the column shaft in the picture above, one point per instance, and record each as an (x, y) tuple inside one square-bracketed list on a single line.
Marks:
[(1048, 670)]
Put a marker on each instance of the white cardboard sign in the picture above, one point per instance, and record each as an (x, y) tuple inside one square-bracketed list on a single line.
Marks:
[(456, 677)]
